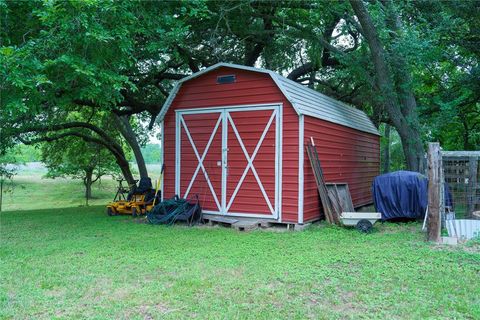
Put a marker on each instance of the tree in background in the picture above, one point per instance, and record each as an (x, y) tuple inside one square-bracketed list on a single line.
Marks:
[(407, 64), (77, 159), (88, 58), (449, 85), (7, 172), (392, 156), (152, 153)]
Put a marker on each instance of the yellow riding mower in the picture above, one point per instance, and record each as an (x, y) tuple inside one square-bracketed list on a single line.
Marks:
[(139, 200)]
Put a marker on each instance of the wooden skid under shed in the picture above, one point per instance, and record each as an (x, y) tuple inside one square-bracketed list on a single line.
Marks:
[(248, 224)]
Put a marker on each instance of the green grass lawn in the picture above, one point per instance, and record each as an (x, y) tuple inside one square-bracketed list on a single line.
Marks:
[(33, 191), (79, 263)]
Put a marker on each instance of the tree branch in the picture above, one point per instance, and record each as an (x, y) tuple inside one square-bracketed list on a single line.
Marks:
[(118, 153), (302, 70)]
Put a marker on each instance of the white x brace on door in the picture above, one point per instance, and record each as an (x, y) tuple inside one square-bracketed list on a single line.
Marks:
[(231, 158)]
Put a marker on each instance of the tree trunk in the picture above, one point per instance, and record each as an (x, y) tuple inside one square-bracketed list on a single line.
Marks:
[(88, 190), (87, 181), (126, 172), (412, 143), (413, 150), (123, 125), (401, 106), (386, 150), (1, 193)]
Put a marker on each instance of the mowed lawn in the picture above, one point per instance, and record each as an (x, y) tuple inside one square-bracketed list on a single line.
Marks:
[(79, 263), (33, 191)]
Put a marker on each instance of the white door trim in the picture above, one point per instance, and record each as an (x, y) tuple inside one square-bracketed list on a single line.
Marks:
[(245, 107), (178, 145), (224, 120), (224, 161)]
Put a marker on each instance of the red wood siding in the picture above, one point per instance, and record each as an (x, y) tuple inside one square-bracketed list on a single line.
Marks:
[(347, 155), (249, 88)]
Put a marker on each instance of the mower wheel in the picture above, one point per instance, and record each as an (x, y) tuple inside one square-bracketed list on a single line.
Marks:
[(134, 212), (110, 212), (364, 226)]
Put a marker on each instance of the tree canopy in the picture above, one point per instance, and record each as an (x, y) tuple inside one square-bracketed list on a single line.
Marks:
[(96, 70)]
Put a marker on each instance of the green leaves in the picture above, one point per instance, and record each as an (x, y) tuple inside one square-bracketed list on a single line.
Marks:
[(58, 58), (73, 158)]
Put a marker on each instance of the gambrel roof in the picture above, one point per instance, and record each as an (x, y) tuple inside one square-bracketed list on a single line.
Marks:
[(304, 100)]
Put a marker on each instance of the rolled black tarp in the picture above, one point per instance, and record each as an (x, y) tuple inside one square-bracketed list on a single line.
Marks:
[(400, 194), (403, 194)]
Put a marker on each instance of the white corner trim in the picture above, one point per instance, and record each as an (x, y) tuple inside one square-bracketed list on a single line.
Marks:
[(168, 102), (301, 153), (162, 158)]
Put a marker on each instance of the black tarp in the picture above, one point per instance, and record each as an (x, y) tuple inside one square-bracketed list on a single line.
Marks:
[(400, 194), (145, 187), (403, 194)]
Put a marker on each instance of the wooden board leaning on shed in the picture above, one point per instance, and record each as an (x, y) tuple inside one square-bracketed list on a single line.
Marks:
[(340, 197), (330, 208)]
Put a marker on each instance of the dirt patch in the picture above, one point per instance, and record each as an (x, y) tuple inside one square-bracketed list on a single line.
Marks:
[(139, 220), (231, 272), (470, 247), (342, 302), (346, 305), (142, 220), (149, 312), (56, 292), (397, 227)]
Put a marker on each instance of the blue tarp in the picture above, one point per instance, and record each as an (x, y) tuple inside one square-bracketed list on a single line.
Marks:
[(400, 194), (403, 194)]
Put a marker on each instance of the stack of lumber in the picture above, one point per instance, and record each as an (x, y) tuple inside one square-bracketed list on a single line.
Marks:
[(330, 203), (340, 197)]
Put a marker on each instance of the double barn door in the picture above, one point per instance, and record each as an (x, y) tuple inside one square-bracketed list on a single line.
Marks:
[(230, 158)]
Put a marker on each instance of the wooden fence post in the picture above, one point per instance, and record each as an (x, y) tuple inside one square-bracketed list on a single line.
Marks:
[(434, 186)]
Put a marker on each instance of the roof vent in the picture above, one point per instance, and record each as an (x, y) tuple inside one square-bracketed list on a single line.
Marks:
[(226, 79)]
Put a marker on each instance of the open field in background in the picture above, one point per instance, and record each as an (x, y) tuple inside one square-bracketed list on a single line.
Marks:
[(77, 263), (32, 191)]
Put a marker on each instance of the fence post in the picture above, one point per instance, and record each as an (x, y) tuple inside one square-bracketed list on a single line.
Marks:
[(434, 186)]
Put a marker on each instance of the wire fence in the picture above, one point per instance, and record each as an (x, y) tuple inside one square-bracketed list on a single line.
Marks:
[(462, 179)]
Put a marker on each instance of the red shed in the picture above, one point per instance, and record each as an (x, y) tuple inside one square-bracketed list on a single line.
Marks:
[(235, 136)]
